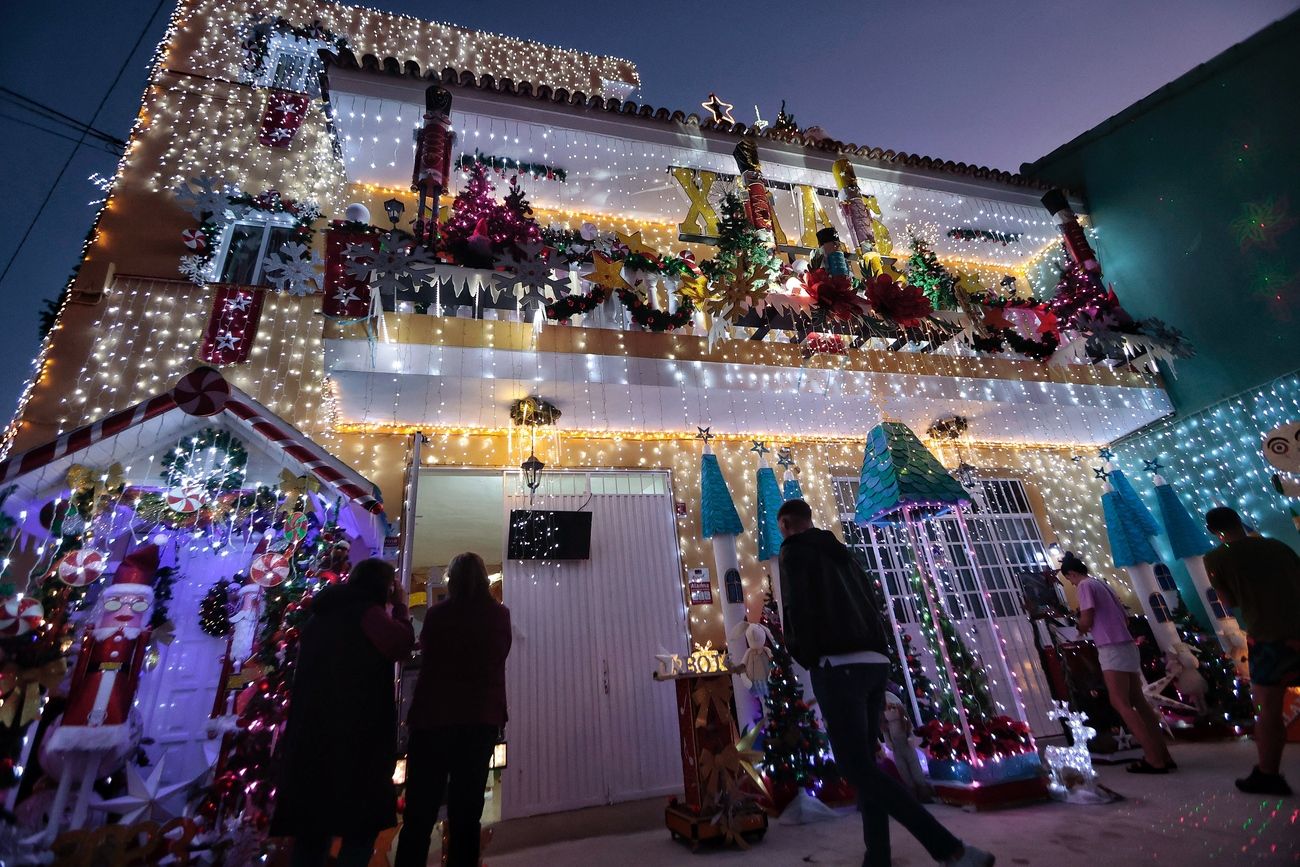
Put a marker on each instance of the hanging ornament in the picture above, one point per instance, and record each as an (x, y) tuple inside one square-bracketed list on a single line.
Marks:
[(20, 615), (296, 527), (81, 567), (186, 502), (270, 569)]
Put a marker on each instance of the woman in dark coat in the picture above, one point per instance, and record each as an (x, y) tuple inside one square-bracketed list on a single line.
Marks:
[(340, 741), (457, 713)]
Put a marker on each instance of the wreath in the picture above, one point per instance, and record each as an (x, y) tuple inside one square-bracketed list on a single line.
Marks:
[(651, 319), (227, 475), (576, 305)]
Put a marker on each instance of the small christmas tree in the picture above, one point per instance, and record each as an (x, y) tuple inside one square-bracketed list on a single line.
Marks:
[(214, 610), (481, 229), (922, 687), (926, 272), (746, 266), (1226, 696), (1079, 294), (972, 682), (796, 750)]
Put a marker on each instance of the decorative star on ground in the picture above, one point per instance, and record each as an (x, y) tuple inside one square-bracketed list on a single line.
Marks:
[(1105, 454), (1101, 472), (1152, 466), (720, 110), (760, 447), (704, 434), (145, 796)]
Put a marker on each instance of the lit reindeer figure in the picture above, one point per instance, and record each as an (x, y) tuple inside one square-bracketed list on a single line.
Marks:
[(1071, 767)]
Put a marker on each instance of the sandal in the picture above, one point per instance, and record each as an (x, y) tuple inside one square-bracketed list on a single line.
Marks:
[(1142, 766)]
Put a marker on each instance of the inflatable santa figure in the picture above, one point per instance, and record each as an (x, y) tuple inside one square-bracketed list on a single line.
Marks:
[(95, 732)]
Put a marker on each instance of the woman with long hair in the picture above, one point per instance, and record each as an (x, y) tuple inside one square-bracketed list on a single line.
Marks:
[(1103, 615), (340, 741), (456, 716)]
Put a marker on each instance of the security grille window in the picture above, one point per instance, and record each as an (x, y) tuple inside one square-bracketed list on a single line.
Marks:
[(1004, 536), (244, 245), (292, 64)]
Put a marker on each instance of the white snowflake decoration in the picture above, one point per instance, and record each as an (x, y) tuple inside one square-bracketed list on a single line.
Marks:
[(388, 270), (205, 196), (308, 211), (195, 268), (294, 269)]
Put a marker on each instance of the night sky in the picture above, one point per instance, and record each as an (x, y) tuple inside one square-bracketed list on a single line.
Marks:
[(995, 83)]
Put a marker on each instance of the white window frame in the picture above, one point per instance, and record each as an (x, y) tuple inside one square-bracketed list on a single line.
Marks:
[(264, 219), (1004, 532), (281, 46)]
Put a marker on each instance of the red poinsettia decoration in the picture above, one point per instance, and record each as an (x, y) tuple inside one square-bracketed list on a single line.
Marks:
[(900, 303), (834, 294), (824, 344)]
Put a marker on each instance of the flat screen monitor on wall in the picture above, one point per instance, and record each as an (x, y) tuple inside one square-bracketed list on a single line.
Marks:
[(542, 534)]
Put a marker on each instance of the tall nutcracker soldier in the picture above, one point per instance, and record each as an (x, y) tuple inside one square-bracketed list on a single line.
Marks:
[(96, 733)]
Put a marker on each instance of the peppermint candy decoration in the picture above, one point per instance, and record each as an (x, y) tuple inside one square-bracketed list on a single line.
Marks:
[(183, 501), (19, 615), (296, 528), (203, 392), (269, 570), (81, 567), (195, 239)]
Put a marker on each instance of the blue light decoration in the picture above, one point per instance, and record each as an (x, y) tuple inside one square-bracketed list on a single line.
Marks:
[(1216, 451)]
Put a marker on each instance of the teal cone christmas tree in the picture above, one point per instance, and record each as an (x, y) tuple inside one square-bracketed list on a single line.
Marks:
[(796, 751), (898, 471)]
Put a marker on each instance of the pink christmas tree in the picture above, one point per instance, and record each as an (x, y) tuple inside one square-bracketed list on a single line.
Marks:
[(481, 229)]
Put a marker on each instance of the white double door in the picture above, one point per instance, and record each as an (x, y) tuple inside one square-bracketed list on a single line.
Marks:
[(588, 725)]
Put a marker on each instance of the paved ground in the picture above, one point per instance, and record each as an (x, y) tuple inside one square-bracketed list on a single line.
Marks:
[(1192, 817)]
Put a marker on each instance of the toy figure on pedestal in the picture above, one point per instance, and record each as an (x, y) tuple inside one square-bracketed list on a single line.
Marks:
[(96, 732), (902, 745), (758, 662), (245, 622)]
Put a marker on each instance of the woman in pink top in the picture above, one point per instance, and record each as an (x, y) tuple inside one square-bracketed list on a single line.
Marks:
[(1102, 614)]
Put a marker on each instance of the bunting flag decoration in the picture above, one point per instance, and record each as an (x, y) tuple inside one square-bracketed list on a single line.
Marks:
[(281, 118), (232, 324)]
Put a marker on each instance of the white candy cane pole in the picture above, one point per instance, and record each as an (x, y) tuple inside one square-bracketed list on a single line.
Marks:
[(726, 559), (1143, 578), (1226, 629)]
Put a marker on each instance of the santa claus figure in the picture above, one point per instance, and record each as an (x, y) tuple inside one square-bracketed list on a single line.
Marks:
[(95, 733), (112, 655)]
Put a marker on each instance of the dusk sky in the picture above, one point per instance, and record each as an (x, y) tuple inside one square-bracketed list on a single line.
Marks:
[(995, 83)]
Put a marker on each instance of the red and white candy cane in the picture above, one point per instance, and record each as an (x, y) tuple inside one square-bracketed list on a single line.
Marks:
[(270, 569), (183, 501), (194, 239), (317, 461), (81, 567), (20, 615)]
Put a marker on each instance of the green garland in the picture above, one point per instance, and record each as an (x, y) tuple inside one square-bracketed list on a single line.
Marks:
[(576, 305), (230, 477), (658, 321)]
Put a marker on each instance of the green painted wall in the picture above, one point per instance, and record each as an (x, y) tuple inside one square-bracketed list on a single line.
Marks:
[(1195, 196)]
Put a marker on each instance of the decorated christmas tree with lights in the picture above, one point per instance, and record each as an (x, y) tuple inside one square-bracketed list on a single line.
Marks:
[(746, 265), (481, 230), (796, 750), (925, 271), (967, 670)]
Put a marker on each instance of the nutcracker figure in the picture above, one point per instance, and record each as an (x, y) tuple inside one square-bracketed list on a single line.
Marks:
[(96, 732), (432, 173), (1076, 242), (853, 208), (832, 253), (758, 201)]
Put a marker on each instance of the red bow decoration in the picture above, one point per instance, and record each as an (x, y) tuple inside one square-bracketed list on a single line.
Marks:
[(902, 304), (834, 293)]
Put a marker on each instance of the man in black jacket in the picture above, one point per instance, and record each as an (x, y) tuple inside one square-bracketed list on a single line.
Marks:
[(834, 628)]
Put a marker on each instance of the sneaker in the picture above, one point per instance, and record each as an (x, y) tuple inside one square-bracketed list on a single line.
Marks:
[(972, 857), (1260, 783)]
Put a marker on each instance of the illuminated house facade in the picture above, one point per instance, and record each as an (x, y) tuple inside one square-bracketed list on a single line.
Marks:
[(273, 128)]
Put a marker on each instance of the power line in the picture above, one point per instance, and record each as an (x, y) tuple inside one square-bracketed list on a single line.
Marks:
[(49, 193), (48, 113), (105, 145)]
